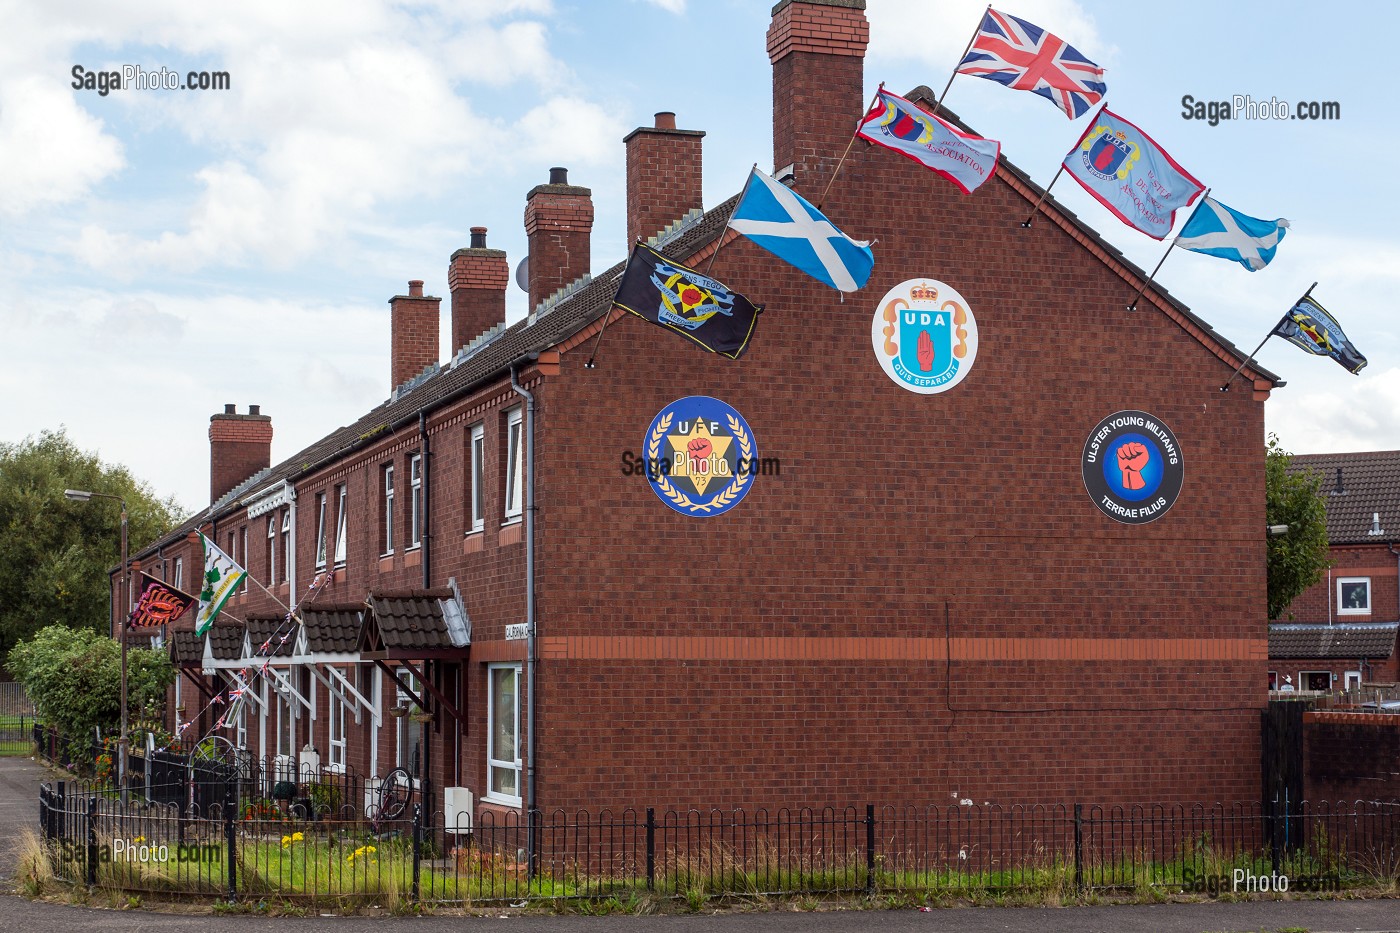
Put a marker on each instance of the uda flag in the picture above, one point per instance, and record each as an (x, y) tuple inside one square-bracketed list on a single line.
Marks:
[(781, 221), (1025, 57), (678, 298), (901, 125), (1131, 175), (1217, 230), (1308, 325), (221, 577), (157, 604)]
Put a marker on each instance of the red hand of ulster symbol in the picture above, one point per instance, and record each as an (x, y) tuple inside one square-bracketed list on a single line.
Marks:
[(924, 349), (699, 449), (1132, 457)]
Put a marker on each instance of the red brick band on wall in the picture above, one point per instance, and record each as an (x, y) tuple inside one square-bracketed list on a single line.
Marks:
[(643, 648)]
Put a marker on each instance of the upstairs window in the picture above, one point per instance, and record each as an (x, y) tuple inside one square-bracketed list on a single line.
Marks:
[(415, 500), (271, 550), (515, 473), (320, 531), (1353, 596), (478, 451), (286, 545), (342, 498), (388, 484)]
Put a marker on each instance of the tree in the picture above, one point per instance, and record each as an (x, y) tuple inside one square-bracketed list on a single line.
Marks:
[(74, 678), (55, 555), (1297, 559)]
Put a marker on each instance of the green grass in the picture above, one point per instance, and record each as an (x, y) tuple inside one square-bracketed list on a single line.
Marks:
[(16, 749)]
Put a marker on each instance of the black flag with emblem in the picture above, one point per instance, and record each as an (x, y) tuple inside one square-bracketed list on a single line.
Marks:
[(676, 297)]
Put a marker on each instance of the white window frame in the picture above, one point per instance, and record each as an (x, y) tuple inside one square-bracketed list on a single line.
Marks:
[(515, 472), (272, 545), (415, 501), (243, 536), (495, 765), (1351, 680), (285, 716), (1303, 679), (320, 531), (240, 725), (1275, 681), (335, 730), (341, 519), (388, 486), (286, 545), (408, 730), (179, 573), (1343, 610), (477, 493)]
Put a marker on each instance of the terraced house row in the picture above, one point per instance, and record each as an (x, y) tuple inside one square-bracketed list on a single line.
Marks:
[(1042, 581)]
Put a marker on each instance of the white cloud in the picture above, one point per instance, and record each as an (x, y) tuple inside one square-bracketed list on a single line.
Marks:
[(1363, 415), (569, 129), (51, 150), (670, 6)]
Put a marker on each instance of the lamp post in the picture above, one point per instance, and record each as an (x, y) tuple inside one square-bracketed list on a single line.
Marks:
[(124, 606)]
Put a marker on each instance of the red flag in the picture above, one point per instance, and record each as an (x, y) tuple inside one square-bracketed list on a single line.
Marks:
[(158, 604)]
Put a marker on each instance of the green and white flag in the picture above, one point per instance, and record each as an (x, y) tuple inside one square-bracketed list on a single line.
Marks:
[(221, 577)]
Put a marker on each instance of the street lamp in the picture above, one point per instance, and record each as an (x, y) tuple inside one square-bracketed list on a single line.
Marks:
[(82, 495)]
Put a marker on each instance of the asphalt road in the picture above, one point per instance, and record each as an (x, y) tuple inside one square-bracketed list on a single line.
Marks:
[(20, 778)]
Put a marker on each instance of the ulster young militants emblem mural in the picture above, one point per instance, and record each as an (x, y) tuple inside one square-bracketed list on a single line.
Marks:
[(1132, 467), (925, 336), (701, 456)]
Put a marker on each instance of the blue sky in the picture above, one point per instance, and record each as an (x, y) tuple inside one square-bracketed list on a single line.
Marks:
[(165, 252)]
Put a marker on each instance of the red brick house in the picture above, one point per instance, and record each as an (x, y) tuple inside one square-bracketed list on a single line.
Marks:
[(1342, 631), (922, 602)]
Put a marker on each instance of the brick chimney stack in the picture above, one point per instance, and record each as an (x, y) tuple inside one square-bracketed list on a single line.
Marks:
[(239, 446), (414, 327), (663, 176), (477, 278), (559, 225), (817, 48)]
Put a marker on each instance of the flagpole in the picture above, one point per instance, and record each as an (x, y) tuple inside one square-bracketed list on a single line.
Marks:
[(1132, 305), (607, 319), (837, 171), (938, 103), (1247, 359), (740, 200), (1044, 194)]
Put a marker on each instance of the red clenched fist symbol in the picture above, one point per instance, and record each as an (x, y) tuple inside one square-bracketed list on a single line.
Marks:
[(924, 349), (699, 449), (1132, 457)]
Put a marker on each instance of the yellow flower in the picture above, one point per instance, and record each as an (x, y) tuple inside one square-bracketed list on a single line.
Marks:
[(139, 839), (297, 837)]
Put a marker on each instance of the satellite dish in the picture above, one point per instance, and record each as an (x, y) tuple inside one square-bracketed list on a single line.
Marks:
[(522, 274)]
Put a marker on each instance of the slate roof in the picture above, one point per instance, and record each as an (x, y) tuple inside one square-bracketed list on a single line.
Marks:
[(1368, 483), (226, 641), (536, 333), (186, 649), (333, 629), (411, 620), (263, 628), (1345, 640)]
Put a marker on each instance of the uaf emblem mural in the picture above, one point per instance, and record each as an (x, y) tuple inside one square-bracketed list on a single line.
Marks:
[(1132, 467), (925, 336), (705, 455)]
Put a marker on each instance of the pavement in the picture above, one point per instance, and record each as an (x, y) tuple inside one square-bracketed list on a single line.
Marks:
[(20, 779)]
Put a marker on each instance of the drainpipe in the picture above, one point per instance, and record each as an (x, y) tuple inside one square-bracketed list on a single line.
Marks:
[(530, 653)]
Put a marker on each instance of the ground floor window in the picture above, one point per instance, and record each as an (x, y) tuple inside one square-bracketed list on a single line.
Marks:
[(410, 732), (1351, 680), (1315, 680), (335, 726), (1273, 680), (503, 730)]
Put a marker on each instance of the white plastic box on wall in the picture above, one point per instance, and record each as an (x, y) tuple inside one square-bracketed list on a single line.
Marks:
[(457, 810)]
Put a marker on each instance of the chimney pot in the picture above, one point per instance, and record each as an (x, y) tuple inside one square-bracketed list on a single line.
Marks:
[(665, 120), (478, 238), (558, 176), (415, 288), (254, 409), (230, 409)]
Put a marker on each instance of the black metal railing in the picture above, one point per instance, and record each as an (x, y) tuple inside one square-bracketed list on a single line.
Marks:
[(230, 849)]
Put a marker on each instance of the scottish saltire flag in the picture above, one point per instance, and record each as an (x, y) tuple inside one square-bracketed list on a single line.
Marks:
[(1025, 57), (221, 578), (701, 309), (1308, 325), (782, 222), (895, 123), (1131, 175), (1217, 230)]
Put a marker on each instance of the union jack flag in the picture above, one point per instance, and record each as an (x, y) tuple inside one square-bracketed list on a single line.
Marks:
[(1027, 58)]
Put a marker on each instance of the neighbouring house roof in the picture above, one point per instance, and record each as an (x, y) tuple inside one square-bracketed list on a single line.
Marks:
[(585, 303), (398, 624), (225, 641), (333, 629), (1357, 488), (1344, 640)]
